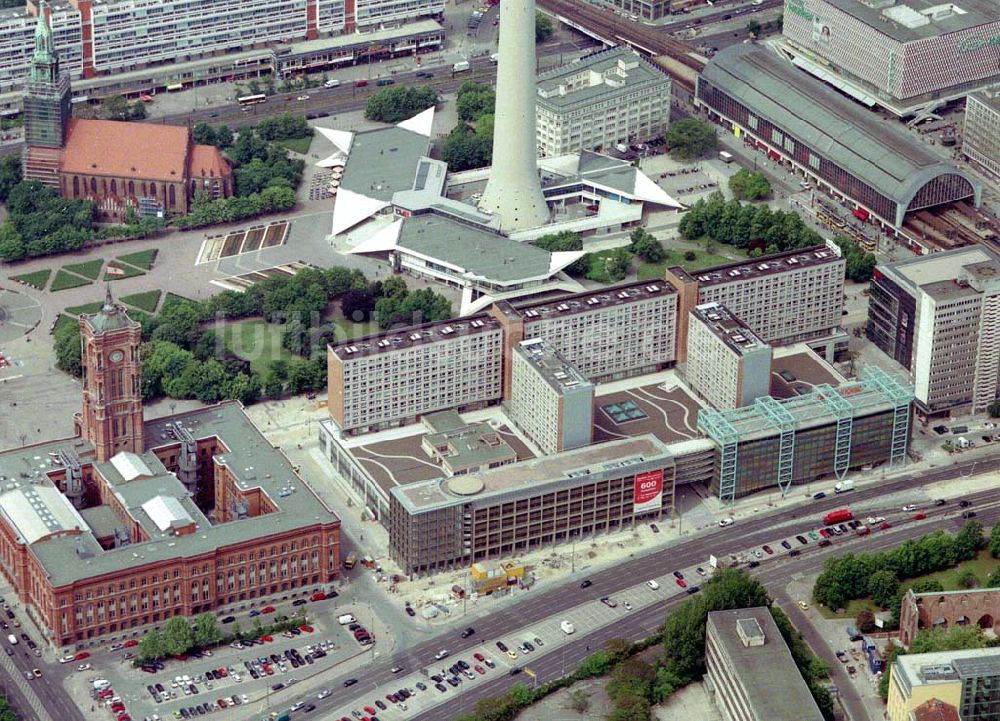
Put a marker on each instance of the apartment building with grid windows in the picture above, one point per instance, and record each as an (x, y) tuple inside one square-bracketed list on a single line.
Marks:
[(939, 317), (727, 364), (610, 97), (550, 400), (117, 36), (981, 135), (907, 56), (394, 378), (783, 298)]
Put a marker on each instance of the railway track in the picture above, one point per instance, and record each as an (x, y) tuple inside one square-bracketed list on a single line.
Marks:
[(677, 58)]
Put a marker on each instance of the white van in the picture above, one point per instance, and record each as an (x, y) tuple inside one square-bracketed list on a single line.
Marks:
[(346, 619), (331, 83), (567, 627), (101, 684), (12, 638)]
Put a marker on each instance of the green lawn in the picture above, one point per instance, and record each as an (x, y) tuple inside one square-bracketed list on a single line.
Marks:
[(88, 269), (62, 320), (296, 145), (37, 280), (64, 280), (174, 298), (655, 271), (143, 301), (255, 341), (982, 566), (142, 259), (127, 272), (87, 308)]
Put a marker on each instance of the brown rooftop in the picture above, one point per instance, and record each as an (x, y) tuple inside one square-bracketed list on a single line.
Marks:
[(593, 300), (207, 161), (144, 151), (414, 335), (935, 710), (757, 267)]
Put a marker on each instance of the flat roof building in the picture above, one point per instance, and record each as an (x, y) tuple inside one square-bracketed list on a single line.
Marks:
[(968, 680), (842, 147), (460, 447), (441, 523), (550, 400), (939, 317), (908, 57), (598, 101), (727, 364), (821, 434), (783, 298), (981, 134), (751, 673)]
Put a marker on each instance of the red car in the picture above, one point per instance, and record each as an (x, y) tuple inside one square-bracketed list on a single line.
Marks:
[(920, 517), (391, 698), (106, 693), (131, 643), (306, 629), (82, 655), (824, 533), (768, 550), (222, 672), (680, 582), (480, 670), (116, 707), (885, 525), (369, 709), (266, 639), (268, 609), (222, 703), (479, 657), (318, 596)]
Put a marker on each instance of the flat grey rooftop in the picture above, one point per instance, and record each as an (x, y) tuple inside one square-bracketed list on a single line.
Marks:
[(383, 162), (936, 267), (896, 25), (787, 261), (474, 251), (878, 153), (552, 367), (602, 76), (767, 674), (364, 41), (927, 668)]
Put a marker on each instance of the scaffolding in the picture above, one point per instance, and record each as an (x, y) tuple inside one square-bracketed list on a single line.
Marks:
[(875, 392)]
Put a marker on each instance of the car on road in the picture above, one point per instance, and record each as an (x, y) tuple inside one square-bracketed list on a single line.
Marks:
[(443, 653), (254, 613), (726, 522), (84, 667), (586, 584), (67, 659), (131, 643), (299, 602), (768, 550), (229, 619), (786, 545), (909, 507), (919, 516), (268, 609), (874, 520), (969, 514), (803, 605), (468, 632), (37, 673), (964, 504), (302, 97), (680, 582), (441, 687), (885, 525), (348, 682), (609, 602), (396, 669), (940, 502), (819, 496), (653, 585)]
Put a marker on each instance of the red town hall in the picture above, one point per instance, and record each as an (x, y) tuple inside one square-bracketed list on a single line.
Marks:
[(131, 522)]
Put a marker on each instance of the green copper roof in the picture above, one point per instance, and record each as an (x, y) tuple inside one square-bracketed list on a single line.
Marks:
[(111, 317)]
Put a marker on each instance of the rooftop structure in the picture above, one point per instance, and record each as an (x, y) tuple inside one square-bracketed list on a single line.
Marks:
[(461, 447), (965, 680), (917, 54), (573, 103), (413, 336), (752, 673), (755, 268), (113, 148), (732, 332), (840, 145)]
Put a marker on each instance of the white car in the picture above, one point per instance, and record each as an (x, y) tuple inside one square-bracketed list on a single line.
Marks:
[(653, 585), (67, 659), (726, 522), (908, 508), (84, 667), (627, 605), (875, 520), (323, 694), (302, 97)]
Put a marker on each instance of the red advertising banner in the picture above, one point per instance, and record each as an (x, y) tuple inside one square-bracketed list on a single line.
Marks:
[(648, 491)]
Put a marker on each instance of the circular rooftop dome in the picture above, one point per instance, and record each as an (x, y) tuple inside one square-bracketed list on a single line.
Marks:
[(467, 485)]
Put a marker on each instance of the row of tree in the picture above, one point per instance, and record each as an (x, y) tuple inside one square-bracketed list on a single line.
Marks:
[(205, 211), (878, 575), (399, 102), (607, 266), (859, 264), (470, 143)]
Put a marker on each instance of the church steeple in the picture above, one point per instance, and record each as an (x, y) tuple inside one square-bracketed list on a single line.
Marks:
[(45, 60), (47, 106)]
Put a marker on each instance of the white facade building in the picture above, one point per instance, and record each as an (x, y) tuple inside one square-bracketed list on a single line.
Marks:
[(981, 138), (611, 97), (727, 364)]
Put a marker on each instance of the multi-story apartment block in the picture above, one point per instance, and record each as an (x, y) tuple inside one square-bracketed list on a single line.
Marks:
[(550, 400), (783, 298), (939, 317), (727, 364), (394, 378), (906, 56), (752, 673), (981, 136), (118, 36), (613, 96), (968, 681)]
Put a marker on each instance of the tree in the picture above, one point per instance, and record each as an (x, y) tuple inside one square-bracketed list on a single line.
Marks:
[(969, 541), (67, 349), (753, 27), (690, 139), (151, 647), (994, 409), (177, 636), (968, 579), (859, 264), (475, 100), (10, 174), (12, 247), (206, 630), (284, 126), (882, 586), (543, 27), (646, 246), (865, 621), (464, 149), (749, 186), (357, 305), (274, 387), (995, 540), (994, 579), (609, 267), (579, 701), (397, 103), (115, 107)]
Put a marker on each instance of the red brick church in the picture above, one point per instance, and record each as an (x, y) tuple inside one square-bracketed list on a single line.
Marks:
[(154, 169)]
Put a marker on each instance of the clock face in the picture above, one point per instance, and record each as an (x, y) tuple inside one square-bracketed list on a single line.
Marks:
[(116, 356)]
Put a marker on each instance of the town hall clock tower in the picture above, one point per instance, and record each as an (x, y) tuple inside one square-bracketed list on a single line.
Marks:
[(112, 381)]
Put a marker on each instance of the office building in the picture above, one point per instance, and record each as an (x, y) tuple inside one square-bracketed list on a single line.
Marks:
[(727, 364), (121, 36), (438, 524), (939, 317), (822, 434), (750, 673), (837, 145), (393, 378), (550, 400), (127, 525), (920, 611), (610, 97), (908, 57), (967, 680), (783, 298), (981, 134)]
